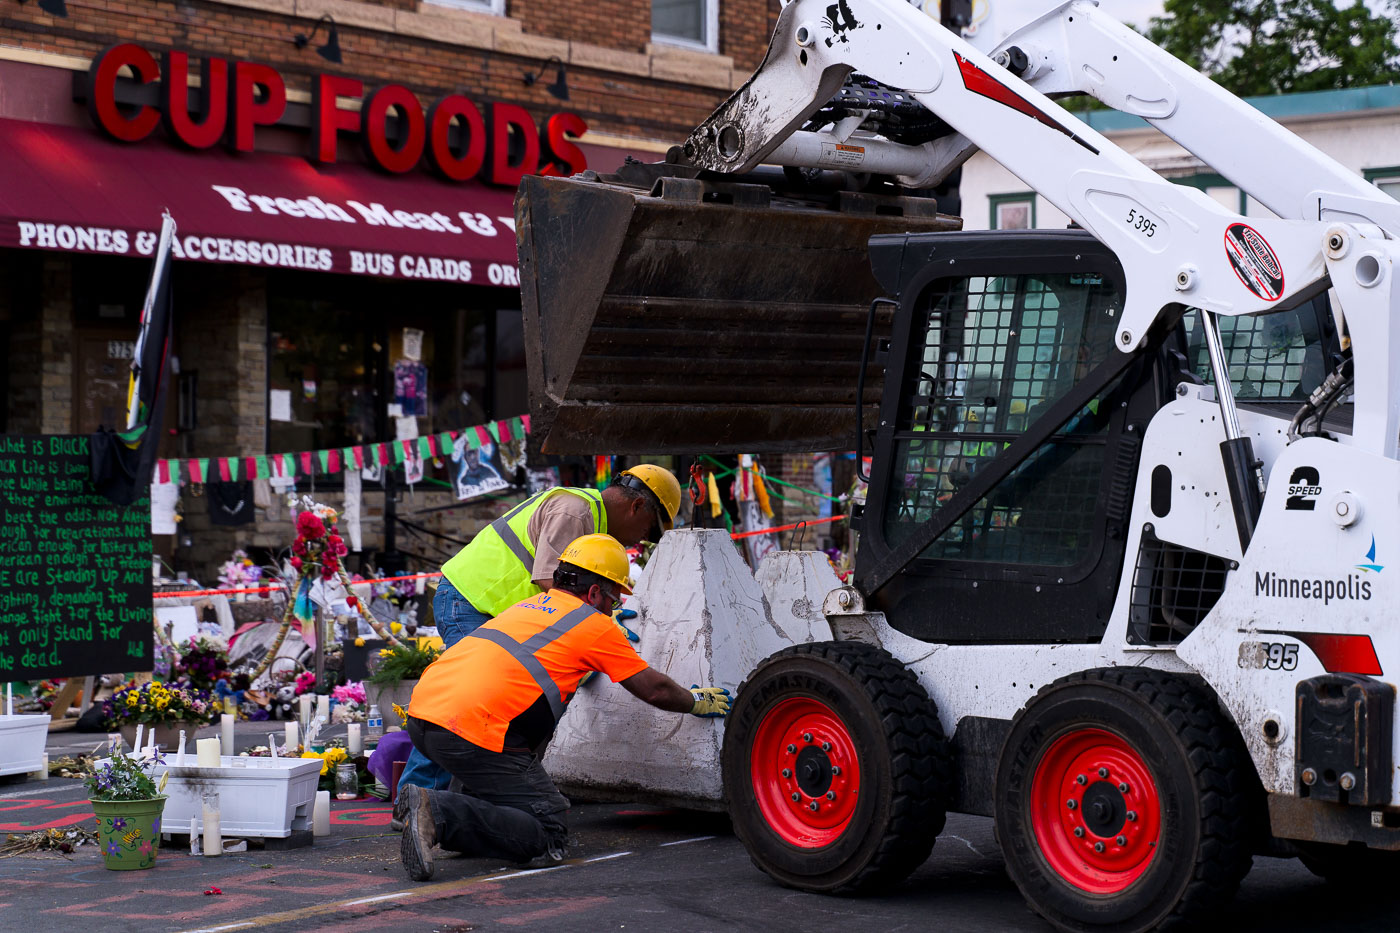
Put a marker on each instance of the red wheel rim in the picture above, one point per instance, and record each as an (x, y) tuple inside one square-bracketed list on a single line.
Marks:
[(805, 772), (1095, 811)]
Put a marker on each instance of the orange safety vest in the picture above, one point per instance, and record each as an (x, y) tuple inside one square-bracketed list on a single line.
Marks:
[(543, 645)]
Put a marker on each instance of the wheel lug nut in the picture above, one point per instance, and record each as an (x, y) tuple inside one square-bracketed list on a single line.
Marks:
[(831, 795), (792, 749), (1122, 840), (1079, 832), (1103, 772), (835, 769), (787, 772), (1072, 804), (826, 746), (1081, 779), (814, 806), (796, 796), (1132, 816), (1098, 847), (806, 736), (1123, 788)]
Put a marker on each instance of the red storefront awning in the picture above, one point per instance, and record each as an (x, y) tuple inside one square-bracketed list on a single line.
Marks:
[(69, 189)]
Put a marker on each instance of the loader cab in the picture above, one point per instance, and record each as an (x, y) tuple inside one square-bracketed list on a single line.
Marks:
[(1006, 453)]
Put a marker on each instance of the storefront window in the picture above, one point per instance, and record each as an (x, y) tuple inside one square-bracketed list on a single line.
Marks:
[(346, 363)]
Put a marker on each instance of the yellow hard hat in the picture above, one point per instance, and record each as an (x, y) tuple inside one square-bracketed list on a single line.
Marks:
[(662, 484), (600, 554)]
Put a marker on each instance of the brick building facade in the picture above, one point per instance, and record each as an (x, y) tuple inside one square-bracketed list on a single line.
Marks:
[(244, 330)]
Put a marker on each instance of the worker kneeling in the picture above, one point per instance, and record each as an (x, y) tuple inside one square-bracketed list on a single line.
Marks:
[(481, 708)]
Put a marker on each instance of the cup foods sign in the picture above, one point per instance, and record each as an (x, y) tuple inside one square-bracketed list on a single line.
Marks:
[(497, 142)]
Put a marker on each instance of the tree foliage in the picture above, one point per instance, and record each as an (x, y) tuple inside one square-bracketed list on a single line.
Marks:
[(1257, 47)]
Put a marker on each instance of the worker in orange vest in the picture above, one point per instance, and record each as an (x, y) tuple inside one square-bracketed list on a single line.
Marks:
[(480, 708)]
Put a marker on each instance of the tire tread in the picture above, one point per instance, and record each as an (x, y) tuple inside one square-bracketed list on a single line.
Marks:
[(1222, 770), (921, 763)]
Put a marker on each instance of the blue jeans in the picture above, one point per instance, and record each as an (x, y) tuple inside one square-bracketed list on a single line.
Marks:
[(456, 619)]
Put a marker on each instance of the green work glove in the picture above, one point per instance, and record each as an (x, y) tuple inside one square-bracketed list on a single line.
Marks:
[(710, 702)]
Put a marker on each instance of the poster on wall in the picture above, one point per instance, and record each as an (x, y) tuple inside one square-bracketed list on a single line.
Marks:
[(75, 569), (476, 472)]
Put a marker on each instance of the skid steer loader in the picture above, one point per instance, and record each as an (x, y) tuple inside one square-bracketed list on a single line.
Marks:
[(1123, 574)]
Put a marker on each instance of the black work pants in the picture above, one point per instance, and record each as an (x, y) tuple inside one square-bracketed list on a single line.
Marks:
[(500, 804)]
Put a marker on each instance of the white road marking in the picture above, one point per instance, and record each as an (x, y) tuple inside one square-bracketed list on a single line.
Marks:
[(681, 842), (36, 793), (521, 874), (227, 926), (604, 858)]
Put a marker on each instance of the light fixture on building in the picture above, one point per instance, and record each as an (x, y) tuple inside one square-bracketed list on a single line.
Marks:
[(330, 51), (53, 7), (560, 87)]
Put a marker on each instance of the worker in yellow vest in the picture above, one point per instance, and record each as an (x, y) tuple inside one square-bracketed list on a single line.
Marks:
[(499, 692), (515, 556)]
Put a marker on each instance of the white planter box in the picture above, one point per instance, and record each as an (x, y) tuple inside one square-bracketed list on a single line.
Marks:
[(22, 739), (268, 797)]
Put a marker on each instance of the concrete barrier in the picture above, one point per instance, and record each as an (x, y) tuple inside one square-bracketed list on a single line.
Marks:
[(702, 619)]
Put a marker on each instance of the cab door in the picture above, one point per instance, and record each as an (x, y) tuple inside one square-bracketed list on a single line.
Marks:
[(1006, 451)]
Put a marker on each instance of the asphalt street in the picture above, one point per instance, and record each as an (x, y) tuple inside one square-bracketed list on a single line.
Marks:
[(631, 867)]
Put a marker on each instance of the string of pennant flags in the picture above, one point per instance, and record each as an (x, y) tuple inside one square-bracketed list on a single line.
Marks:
[(337, 459)]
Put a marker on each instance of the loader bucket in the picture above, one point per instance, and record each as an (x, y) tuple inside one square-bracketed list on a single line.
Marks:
[(667, 314)]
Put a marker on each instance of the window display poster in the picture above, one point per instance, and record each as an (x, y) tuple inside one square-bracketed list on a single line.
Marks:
[(412, 344), (476, 472), (411, 387), (279, 405), (75, 569)]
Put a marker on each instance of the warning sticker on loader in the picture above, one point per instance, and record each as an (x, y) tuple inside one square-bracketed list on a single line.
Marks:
[(1255, 261), (841, 155)]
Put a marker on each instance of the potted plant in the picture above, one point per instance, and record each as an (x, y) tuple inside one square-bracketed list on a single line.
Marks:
[(396, 674), (164, 708), (128, 805)]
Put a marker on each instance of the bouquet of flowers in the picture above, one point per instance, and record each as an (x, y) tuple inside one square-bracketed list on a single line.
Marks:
[(156, 702), (317, 542), (349, 700), (239, 571), (125, 777), (204, 662)]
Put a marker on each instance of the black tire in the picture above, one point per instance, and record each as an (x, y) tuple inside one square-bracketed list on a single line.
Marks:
[(1352, 867), (885, 727), (1181, 857)]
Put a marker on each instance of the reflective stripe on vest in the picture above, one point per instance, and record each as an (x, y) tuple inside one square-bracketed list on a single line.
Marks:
[(524, 652), (501, 526), (494, 571)]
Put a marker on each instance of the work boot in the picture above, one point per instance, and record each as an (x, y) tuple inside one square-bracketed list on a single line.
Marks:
[(419, 834), (396, 819)]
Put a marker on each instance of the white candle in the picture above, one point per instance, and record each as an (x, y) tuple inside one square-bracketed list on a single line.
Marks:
[(323, 707), (354, 743), (292, 743), (305, 701), (151, 743), (213, 833), (194, 835), (9, 700), (43, 773), (180, 755), (272, 743), (321, 814), (226, 733), (208, 752), (140, 731)]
